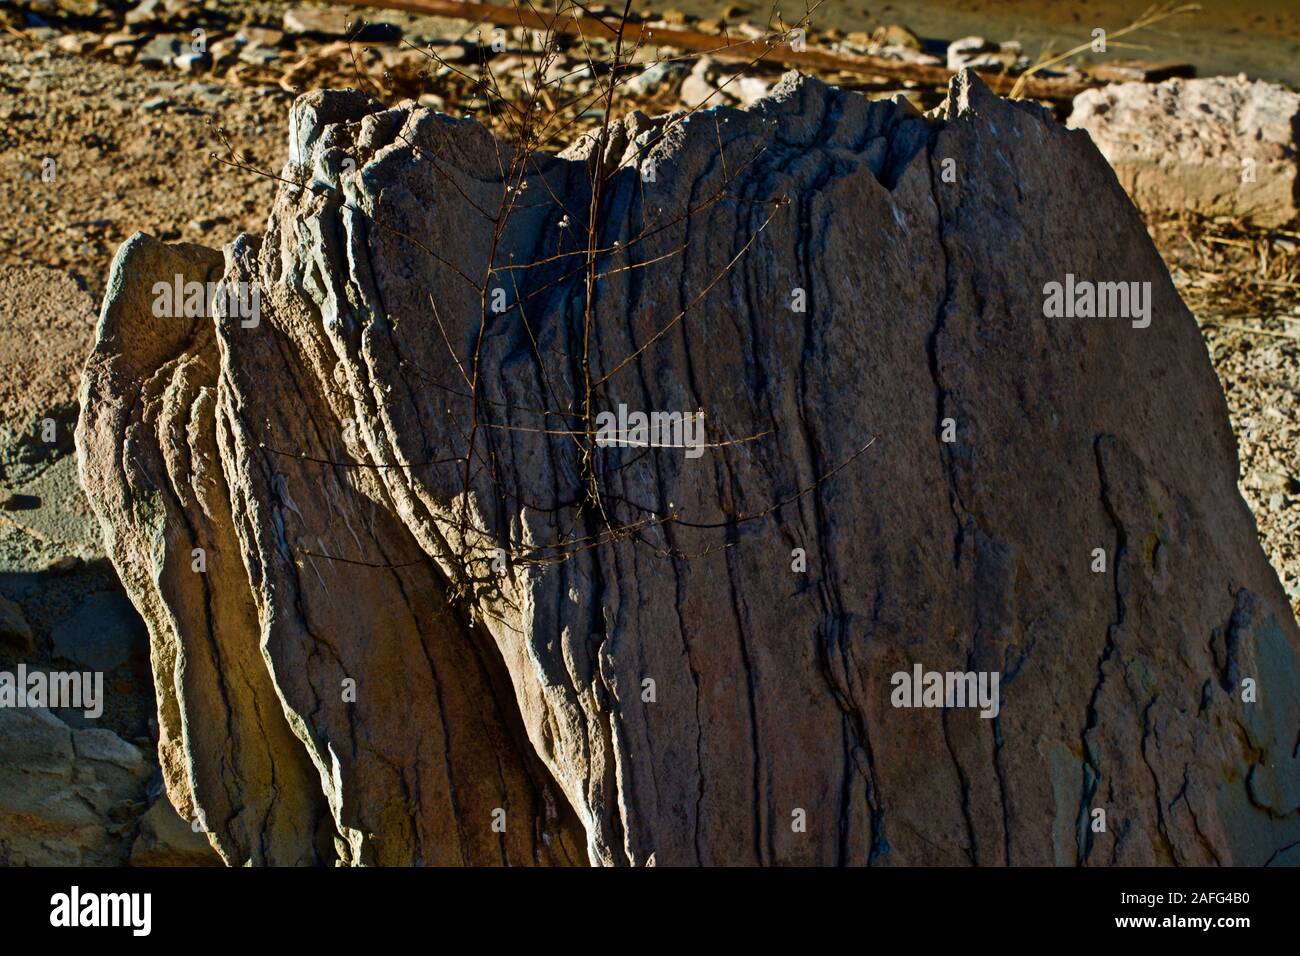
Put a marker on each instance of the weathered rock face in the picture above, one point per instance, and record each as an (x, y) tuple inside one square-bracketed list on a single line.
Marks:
[(420, 742), (559, 650), (68, 797), (1219, 146)]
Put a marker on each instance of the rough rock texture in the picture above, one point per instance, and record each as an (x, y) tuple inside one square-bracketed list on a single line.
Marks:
[(393, 483), (1219, 146), (167, 840), (68, 797), (228, 748)]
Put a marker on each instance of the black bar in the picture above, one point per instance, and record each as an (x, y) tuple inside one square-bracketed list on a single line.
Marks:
[(331, 907)]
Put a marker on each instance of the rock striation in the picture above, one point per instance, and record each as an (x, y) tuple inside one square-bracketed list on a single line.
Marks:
[(406, 609)]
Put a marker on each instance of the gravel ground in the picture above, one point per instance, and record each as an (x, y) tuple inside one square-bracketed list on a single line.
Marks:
[(131, 151), (1261, 378)]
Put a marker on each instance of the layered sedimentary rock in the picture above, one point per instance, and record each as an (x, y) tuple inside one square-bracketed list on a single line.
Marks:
[(434, 620), (1220, 146), (259, 739)]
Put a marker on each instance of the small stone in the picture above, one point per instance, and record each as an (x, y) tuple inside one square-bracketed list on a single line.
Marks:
[(696, 88), (266, 36), (649, 79), (1272, 481), (153, 104), (64, 565), (404, 58), (259, 55), (144, 13), (213, 93), (895, 35), (160, 51), (14, 629), (225, 47), (191, 62), (75, 42), (968, 51), (114, 40), (335, 22), (456, 53)]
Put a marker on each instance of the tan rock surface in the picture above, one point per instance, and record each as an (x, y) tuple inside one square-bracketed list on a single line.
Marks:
[(68, 797), (1218, 146)]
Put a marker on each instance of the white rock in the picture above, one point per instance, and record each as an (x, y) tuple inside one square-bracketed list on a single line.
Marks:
[(1218, 146)]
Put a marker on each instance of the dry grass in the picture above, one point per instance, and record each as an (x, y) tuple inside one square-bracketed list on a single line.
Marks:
[(1234, 275)]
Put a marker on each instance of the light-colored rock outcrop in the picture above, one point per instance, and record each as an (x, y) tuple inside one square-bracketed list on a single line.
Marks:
[(1219, 146), (68, 797), (651, 656)]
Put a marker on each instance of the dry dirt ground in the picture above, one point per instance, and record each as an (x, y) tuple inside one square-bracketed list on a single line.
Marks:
[(131, 151)]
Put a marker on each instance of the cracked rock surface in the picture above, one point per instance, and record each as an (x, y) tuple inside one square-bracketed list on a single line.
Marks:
[(437, 625)]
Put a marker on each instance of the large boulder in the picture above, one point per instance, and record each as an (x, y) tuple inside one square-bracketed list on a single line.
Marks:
[(1221, 146), (409, 603)]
